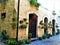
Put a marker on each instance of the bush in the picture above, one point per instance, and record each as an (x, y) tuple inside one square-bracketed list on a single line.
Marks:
[(4, 35), (21, 42), (27, 41), (49, 35), (40, 38), (58, 31), (44, 36), (53, 33), (30, 35), (11, 42)]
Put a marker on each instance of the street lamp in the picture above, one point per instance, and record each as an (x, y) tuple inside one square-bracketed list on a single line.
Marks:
[(54, 12), (17, 20)]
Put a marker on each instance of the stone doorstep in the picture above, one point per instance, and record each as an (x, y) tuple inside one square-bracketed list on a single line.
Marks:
[(2, 43), (34, 39)]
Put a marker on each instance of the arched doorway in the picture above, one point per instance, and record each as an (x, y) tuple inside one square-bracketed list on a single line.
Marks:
[(45, 24), (32, 24), (53, 26)]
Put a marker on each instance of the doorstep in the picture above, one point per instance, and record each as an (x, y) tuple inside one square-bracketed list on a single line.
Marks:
[(34, 39)]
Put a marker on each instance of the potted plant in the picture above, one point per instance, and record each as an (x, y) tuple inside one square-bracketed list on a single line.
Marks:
[(53, 33), (41, 22), (13, 18), (49, 35), (4, 35), (26, 22), (21, 42), (45, 35), (58, 31), (21, 21), (30, 35), (27, 41), (42, 27), (11, 42), (25, 19), (40, 38), (50, 25)]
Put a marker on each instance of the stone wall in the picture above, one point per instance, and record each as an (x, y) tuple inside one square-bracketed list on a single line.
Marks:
[(6, 24), (25, 9)]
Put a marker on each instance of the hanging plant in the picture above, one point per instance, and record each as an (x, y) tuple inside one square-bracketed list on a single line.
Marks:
[(26, 22), (41, 22), (14, 24), (42, 27), (23, 26), (25, 19), (13, 18), (50, 24), (21, 21)]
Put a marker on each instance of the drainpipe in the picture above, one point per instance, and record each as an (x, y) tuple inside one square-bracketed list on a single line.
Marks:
[(17, 20)]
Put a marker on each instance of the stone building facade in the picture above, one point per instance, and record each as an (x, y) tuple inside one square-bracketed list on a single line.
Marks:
[(26, 11), (8, 11), (33, 17)]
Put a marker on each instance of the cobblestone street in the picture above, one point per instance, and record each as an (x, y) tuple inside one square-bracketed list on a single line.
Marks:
[(55, 40)]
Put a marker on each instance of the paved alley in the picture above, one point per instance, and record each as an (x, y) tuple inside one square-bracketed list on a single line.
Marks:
[(55, 40)]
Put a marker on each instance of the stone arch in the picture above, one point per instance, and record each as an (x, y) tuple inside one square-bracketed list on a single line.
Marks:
[(32, 24), (45, 24)]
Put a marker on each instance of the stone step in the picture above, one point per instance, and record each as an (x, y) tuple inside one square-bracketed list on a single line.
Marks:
[(34, 39)]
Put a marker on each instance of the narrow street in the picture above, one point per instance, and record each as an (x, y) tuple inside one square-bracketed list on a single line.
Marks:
[(55, 40), (2, 43)]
